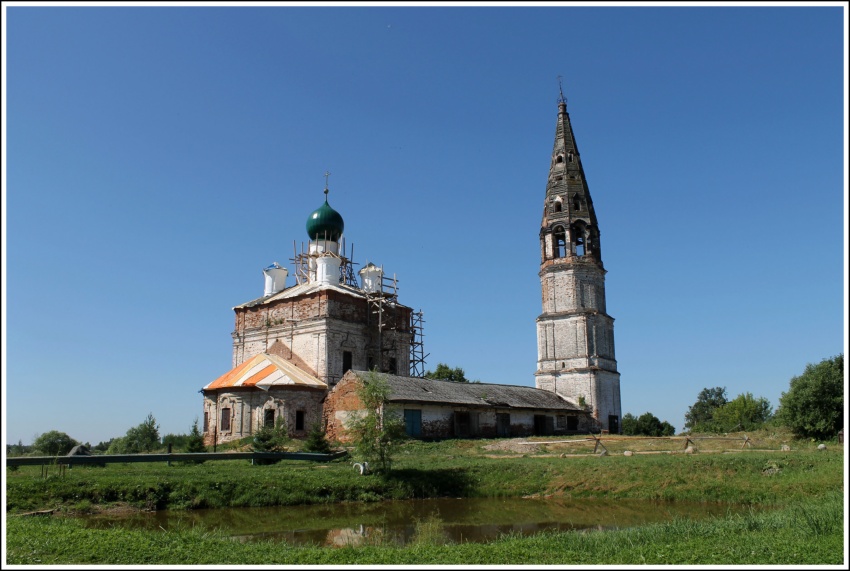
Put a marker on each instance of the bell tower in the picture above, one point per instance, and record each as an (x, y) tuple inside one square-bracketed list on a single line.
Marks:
[(575, 334)]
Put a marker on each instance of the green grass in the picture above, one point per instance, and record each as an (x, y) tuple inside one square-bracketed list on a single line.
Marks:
[(804, 486), (752, 477), (427, 470)]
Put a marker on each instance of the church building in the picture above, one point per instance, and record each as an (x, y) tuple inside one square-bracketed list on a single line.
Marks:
[(294, 343), (300, 352)]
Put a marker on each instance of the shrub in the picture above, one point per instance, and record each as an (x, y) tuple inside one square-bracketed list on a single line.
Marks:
[(378, 432), (316, 441)]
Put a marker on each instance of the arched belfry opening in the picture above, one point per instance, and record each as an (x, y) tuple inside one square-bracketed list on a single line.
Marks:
[(578, 235), (559, 242)]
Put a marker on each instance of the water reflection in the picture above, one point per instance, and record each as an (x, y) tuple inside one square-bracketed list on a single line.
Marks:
[(452, 520)]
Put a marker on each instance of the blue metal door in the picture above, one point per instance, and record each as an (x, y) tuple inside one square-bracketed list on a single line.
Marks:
[(413, 422)]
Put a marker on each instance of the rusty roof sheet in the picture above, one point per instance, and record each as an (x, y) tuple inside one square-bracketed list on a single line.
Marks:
[(414, 389), (264, 371)]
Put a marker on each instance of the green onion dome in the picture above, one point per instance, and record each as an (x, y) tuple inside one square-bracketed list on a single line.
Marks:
[(325, 223)]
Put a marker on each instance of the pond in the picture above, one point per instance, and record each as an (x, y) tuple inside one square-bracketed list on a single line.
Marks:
[(456, 520)]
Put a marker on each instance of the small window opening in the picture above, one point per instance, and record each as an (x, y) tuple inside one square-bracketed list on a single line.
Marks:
[(557, 206), (268, 419), (299, 420), (225, 420), (370, 362), (570, 157), (559, 159), (392, 368), (206, 421), (576, 202), (572, 423)]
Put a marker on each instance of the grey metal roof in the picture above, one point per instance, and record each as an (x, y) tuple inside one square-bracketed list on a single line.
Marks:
[(415, 389)]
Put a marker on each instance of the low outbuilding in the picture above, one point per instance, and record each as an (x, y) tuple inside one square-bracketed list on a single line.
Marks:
[(435, 409)]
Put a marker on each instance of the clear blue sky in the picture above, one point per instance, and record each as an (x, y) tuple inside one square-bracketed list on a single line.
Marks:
[(157, 158)]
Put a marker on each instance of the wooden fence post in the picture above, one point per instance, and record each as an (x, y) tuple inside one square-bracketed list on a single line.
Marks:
[(598, 444)]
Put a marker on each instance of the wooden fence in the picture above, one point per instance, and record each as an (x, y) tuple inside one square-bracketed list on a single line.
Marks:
[(100, 460), (598, 441)]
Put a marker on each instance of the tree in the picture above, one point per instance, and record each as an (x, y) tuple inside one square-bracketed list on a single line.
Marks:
[(744, 412), (18, 449), (102, 446), (814, 403), (54, 443), (377, 432), (628, 424), (195, 440), (700, 416), (446, 373), (316, 441), (646, 425), (177, 441), (141, 438)]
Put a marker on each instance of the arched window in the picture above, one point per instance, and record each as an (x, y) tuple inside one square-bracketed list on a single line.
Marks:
[(559, 242), (557, 206), (576, 202), (559, 159)]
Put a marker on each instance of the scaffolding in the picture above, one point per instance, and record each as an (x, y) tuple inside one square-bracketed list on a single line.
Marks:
[(417, 345), (382, 303), (302, 262)]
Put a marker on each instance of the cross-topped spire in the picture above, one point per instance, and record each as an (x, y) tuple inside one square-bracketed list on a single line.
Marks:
[(561, 99)]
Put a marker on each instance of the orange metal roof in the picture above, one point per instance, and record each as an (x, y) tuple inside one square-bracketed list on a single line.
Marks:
[(264, 371)]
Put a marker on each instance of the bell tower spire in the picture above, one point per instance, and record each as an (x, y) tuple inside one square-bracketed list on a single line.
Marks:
[(575, 335)]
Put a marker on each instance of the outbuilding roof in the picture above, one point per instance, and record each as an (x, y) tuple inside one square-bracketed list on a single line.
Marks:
[(415, 389), (265, 371)]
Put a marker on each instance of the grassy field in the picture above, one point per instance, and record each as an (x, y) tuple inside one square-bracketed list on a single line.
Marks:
[(805, 487)]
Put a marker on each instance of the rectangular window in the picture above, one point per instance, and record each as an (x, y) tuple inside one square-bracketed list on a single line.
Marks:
[(206, 422), (346, 361), (562, 422), (299, 420), (393, 367), (225, 420), (268, 420), (572, 422)]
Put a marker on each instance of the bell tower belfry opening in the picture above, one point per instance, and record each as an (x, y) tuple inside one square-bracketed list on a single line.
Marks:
[(575, 334)]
